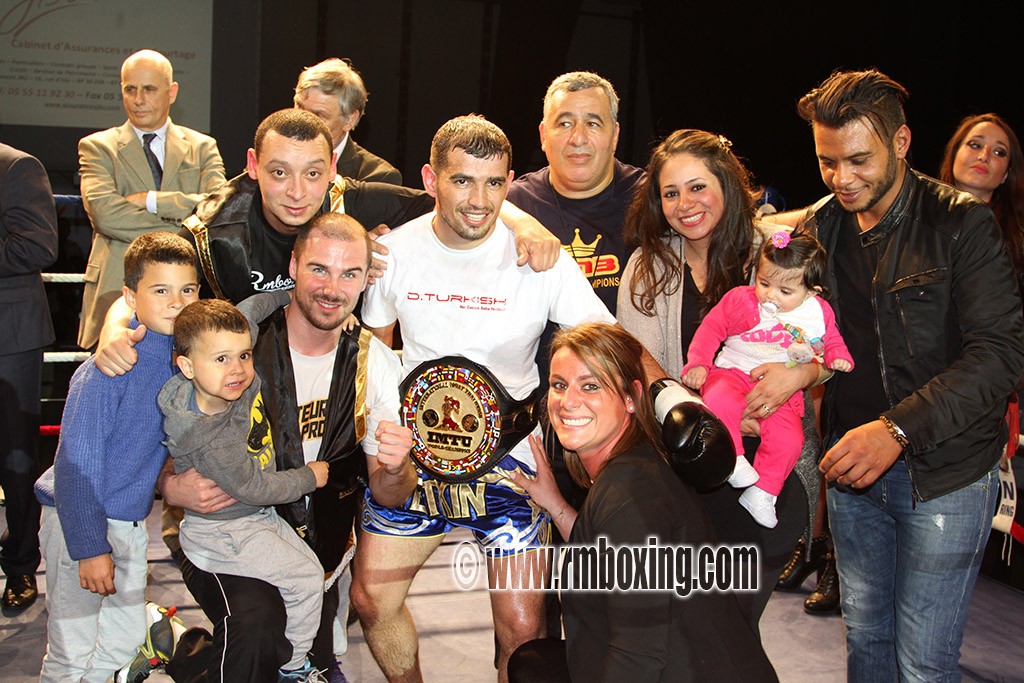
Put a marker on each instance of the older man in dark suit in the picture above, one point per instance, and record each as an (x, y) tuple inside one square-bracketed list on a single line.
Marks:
[(335, 92), (28, 243), (145, 175)]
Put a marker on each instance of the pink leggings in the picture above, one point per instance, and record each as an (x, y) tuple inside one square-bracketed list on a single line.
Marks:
[(782, 433)]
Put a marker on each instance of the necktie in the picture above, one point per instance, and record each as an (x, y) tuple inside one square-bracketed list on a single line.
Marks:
[(154, 163)]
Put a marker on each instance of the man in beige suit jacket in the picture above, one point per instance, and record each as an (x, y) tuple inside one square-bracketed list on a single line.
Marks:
[(119, 185)]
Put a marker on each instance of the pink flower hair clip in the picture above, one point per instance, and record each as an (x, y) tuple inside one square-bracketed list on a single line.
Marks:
[(781, 239)]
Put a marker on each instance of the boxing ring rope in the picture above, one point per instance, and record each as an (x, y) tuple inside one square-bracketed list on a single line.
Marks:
[(63, 277), (61, 356)]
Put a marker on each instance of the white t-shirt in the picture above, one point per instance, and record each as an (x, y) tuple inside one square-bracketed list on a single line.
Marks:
[(313, 384), (476, 303)]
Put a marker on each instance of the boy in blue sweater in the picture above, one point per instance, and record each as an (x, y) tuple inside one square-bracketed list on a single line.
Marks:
[(100, 489)]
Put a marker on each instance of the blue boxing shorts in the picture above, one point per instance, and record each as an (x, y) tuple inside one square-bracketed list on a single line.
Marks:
[(503, 518)]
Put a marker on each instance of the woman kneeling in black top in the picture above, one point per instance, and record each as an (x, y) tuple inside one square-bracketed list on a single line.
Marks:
[(606, 424)]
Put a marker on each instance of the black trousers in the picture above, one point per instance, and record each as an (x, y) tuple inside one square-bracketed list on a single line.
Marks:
[(734, 526), (248, 643), (539, 661), (20, 382)]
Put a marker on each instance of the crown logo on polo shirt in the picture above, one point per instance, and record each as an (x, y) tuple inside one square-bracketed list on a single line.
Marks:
[(580, 249)]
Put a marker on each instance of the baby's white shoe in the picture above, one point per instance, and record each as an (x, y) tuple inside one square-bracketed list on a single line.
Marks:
[(761, 506), (743, 474)]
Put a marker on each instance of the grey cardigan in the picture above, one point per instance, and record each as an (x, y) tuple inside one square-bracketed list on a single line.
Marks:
[(661, 334)]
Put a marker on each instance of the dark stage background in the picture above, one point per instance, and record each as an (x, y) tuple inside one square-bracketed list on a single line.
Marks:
[(735, 68), (726, 66)]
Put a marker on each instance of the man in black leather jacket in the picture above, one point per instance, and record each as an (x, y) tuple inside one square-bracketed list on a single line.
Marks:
[(923, 287)]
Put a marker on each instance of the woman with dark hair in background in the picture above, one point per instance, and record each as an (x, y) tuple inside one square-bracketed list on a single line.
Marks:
[(984, 158)]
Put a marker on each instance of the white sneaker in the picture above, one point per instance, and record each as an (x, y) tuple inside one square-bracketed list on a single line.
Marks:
[(743, 474), (761, 506)]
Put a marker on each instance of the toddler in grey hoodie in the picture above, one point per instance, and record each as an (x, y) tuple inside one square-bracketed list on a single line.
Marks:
[(215, 423)]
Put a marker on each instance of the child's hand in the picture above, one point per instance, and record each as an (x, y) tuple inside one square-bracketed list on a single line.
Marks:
[(350, 323), (116, 352), (96, 574), (320, 469), (694, 377), (841, 364)]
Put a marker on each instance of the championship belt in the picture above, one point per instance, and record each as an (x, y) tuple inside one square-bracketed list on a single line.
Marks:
[(462, 419)]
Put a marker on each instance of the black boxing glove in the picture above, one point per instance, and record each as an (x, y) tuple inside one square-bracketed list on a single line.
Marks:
[(699, 447)]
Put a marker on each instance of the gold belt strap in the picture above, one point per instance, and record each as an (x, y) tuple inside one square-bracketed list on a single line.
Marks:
[(337, 194), (365, 337), (202, 237)]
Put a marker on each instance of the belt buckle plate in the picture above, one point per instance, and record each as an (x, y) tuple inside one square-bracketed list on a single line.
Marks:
[(454, 412)]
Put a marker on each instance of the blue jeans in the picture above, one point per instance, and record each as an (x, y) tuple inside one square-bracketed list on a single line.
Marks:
[(906, 574)]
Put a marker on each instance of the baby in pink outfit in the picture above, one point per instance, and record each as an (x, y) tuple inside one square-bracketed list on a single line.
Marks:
[(780, 318)]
